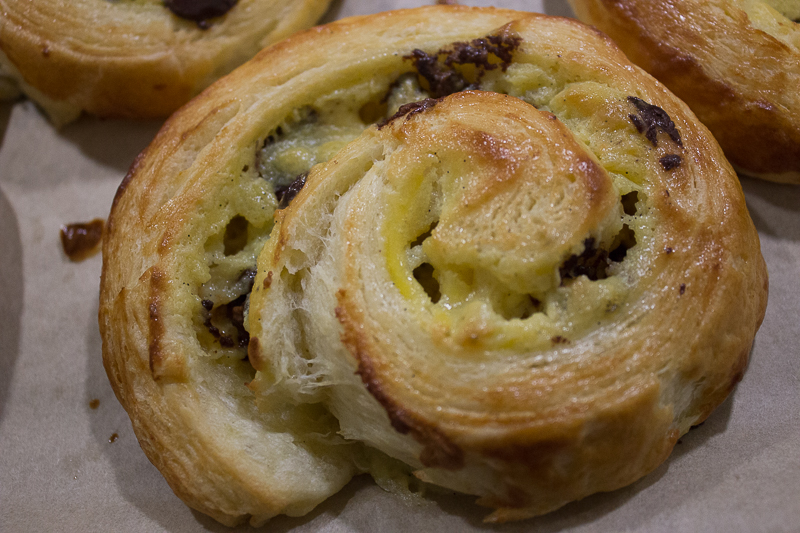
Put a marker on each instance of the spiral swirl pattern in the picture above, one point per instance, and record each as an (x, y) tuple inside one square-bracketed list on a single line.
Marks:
[(530, 341), (511, 264)]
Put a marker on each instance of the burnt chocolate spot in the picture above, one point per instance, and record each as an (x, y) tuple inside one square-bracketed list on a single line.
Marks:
[(682, 289), (653, 120), (409, 110), (286, 194), (82, 240), (444, 78), (199, 10), (670, 161)]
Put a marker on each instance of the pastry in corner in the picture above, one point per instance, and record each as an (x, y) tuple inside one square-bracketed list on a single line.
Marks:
[(735, 62), (134, 59)]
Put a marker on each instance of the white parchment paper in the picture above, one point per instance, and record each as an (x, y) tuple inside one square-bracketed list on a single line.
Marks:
[(66, 466)]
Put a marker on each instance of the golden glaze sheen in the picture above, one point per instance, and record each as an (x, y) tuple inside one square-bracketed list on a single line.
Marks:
[(132, 58), (735, 62), (557, 176)]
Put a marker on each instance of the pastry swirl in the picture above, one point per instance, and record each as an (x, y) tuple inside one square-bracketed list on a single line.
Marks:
[(735, 62), (135, 58), (545, 332)]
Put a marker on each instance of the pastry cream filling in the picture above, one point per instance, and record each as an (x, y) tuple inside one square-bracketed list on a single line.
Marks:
[(310, 135), (597, 117)]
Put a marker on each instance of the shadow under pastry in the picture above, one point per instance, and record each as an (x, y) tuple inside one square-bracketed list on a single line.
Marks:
[(136, 479), (774, 207), (12, 291), (559, 8), (112, 142)]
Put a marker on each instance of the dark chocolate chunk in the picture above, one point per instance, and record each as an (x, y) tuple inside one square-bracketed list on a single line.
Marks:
[(231, 314), (286, 194), (82, 240), (442, 76), (442, 81), (214, 330), (409, 110), (477, 51), (226, 341), (653, 120), (199, 10), (236, 315), (670, 161)]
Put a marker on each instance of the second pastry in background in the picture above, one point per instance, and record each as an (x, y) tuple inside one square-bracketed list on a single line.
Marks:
[(140, 59), (735, 62)]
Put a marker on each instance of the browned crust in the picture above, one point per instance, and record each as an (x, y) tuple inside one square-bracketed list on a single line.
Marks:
[(127, 179), (438, 450), (165, 364)]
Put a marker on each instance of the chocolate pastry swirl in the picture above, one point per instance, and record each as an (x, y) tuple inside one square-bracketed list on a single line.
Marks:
[(513, 290)]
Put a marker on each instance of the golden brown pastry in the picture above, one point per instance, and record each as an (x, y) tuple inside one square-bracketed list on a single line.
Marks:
[(135, 58), (519, 268), (735, 62)]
